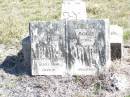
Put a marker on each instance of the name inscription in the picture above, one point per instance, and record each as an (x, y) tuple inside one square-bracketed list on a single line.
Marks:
[(86, 36)]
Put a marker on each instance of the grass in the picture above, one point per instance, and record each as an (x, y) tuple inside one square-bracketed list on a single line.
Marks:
[(126, 36), (116, 10), (128, 96), (15, 15)]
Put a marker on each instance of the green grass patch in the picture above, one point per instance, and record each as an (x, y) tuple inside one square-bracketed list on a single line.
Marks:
[(128, 96), (127, 36)]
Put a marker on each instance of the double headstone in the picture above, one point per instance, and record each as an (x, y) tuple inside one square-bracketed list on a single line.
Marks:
[(75, 47)]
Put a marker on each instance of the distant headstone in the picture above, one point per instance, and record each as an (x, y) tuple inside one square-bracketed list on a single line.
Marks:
[(116, 39), (78, 47), (73, 9)]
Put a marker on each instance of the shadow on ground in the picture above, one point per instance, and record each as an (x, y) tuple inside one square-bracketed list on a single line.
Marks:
[(16, 65)]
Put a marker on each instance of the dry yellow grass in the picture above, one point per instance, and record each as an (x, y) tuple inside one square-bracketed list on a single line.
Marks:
[(118, 11), (15, 16)]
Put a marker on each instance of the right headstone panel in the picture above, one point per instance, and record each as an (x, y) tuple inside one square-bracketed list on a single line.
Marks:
[(88, 46)]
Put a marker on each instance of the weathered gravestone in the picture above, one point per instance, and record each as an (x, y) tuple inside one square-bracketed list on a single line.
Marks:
[(116, 41), (73, 9), (48, 48), (78, 47), (88, 46)]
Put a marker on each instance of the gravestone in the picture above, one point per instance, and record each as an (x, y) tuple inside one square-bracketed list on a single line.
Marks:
[(88, 50), (116, 40), (73, 9), (76, 47), (48, 48)]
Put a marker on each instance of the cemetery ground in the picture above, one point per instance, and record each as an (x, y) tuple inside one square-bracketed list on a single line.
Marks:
[(15, 76), (16, 79)]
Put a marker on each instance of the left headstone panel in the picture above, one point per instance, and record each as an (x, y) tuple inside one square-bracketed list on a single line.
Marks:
[(48, 48)]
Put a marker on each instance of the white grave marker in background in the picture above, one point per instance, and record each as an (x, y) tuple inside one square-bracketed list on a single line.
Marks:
[(73, 9), (116, 40)]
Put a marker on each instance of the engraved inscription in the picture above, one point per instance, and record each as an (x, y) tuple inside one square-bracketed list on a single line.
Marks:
[(76, 47), (47, 45)]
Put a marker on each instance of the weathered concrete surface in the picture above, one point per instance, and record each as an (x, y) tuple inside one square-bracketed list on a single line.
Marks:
[(73, 9), (116, 34), (89, 49), (48, 55), (77, 47)]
